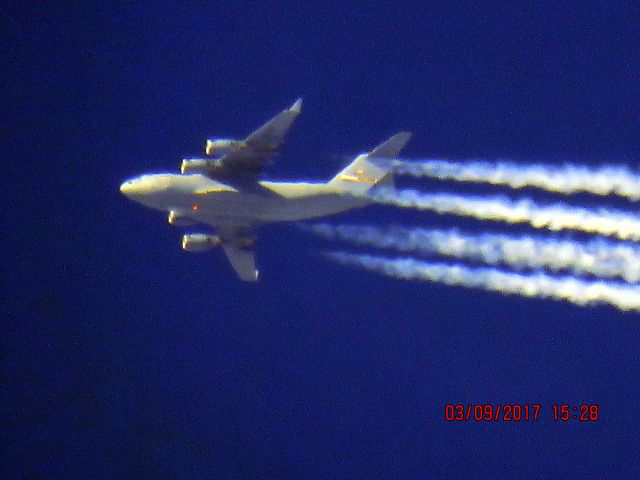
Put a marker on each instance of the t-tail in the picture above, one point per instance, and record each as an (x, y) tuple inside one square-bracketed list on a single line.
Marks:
[(364, 172)]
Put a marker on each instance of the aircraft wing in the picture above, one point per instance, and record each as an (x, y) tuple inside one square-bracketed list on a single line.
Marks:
[(259, 147), (238, 244)]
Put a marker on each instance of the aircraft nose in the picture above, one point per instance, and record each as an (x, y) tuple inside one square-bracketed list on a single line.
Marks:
[(126, 188)]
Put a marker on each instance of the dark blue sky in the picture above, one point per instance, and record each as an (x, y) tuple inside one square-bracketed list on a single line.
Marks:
[(123, 357)]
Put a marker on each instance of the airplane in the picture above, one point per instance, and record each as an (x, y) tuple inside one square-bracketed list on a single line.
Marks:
[(224, 190)]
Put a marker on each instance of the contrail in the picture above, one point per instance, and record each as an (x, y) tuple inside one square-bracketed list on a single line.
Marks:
[(596, 257), (622, 225), (566, 179), (623, 297)]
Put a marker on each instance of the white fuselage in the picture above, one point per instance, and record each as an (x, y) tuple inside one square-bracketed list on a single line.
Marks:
[(203, 200)]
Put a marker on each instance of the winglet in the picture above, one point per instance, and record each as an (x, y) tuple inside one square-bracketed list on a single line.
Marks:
[(392, 147), (297, 106)]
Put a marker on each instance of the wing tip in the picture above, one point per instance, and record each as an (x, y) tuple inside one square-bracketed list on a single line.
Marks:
[(249, 277), (297, 106)]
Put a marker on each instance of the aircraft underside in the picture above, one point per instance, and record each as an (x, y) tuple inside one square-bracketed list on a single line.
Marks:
[(242, 209), (224, 191)]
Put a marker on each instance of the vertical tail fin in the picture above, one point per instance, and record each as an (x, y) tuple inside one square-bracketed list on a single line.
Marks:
[(363, 173)]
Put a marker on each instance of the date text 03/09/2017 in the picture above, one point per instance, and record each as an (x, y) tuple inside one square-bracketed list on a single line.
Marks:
[(515, 412)]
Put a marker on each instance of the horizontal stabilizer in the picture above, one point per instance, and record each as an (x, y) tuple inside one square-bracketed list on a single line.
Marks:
[(363, 173), (392, 147)]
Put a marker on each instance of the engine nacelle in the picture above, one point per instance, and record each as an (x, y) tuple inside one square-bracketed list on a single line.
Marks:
[(193, 165), (199, 165), (178, 220), (199, 242), (218, 147)]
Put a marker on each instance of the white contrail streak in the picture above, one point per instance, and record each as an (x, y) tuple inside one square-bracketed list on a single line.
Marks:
[(566, 179), (623, 225), (539, 285), (596, 257)]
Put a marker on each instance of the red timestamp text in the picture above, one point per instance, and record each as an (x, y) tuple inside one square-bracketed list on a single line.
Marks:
[(510, 412), (516, 412), (582, 413)]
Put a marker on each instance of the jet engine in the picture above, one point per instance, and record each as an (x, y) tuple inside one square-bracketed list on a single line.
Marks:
[(198, 165), (199, 242), (178, 220), (221, 146)]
